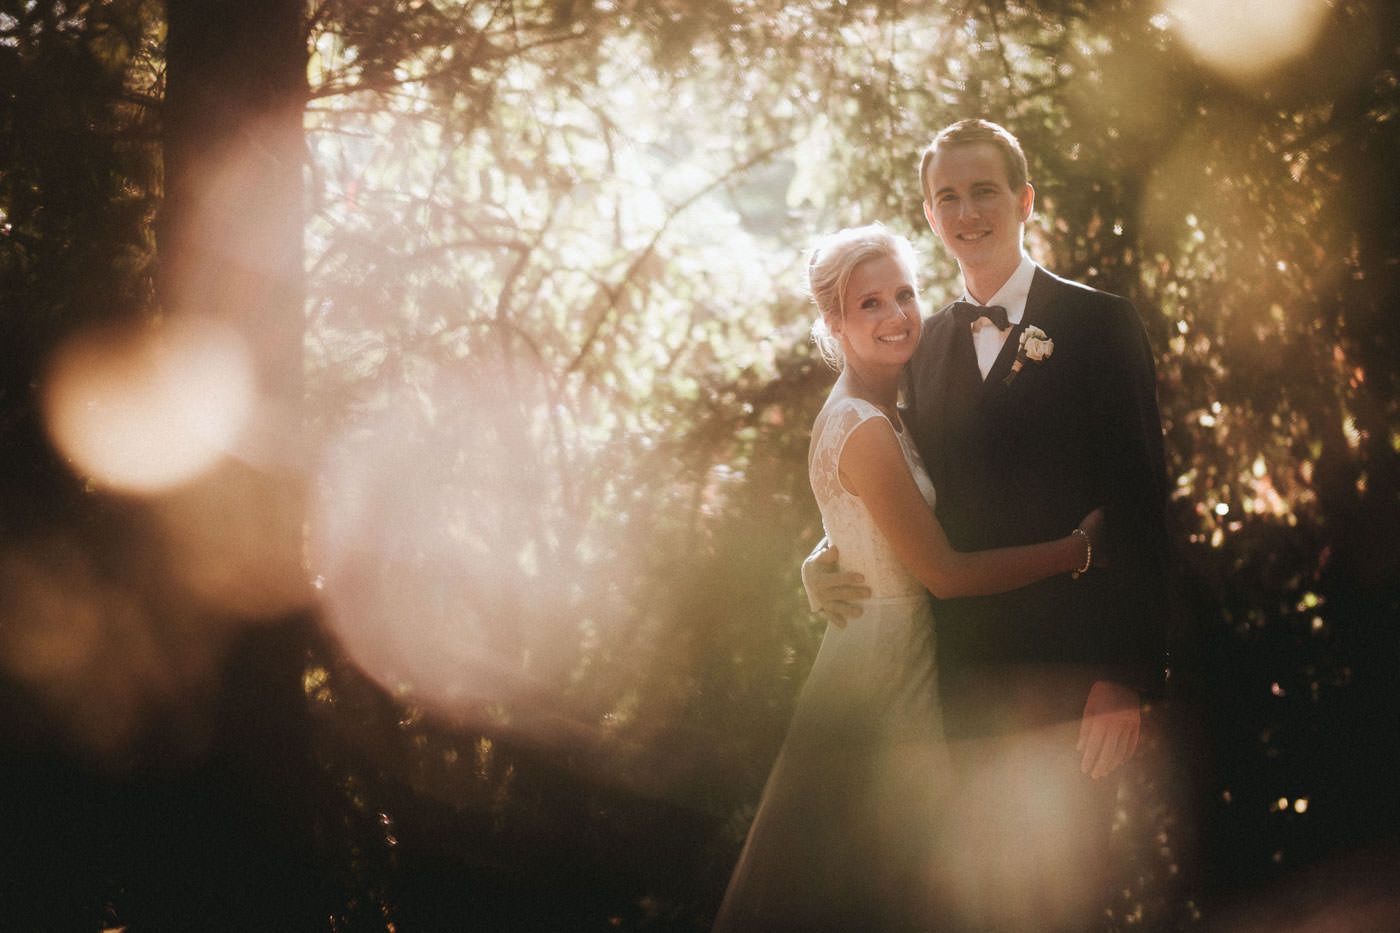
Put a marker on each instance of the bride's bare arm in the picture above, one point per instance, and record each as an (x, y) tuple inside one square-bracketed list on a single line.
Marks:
[(872, 466)]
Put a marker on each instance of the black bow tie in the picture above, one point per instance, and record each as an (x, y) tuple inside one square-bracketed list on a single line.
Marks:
[(966, 312)]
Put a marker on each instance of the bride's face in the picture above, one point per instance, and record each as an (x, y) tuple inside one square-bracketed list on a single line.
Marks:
[(881, 320)]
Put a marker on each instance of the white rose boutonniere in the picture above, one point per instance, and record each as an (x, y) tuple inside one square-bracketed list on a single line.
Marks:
[(1035, 346)]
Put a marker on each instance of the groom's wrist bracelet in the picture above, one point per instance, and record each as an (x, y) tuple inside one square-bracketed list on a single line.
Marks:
[(1088, 553)]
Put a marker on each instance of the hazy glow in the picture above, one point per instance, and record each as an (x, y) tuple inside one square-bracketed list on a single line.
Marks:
[(1246, 39), (148, 411), (235, 539), (1014, 845), (426, 546), (92, 649)]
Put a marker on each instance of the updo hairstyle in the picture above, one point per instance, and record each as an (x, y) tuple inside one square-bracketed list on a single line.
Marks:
[(829, 267)]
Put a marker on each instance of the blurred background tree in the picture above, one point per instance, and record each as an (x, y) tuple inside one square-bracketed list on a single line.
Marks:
[(549, 450)]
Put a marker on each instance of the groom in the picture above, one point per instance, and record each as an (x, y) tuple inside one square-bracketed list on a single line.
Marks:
[(1026, 422)]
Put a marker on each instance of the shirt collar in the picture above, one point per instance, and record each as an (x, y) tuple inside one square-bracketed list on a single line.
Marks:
[(1014, 291)]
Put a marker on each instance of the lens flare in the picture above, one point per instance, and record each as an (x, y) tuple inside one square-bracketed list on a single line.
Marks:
[(1191, 192), (148, 411), (234, 540), (1246, 39), (434, 540), (94, 651)]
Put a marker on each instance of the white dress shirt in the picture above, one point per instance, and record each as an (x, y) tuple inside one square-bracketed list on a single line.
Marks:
[(986, 339)]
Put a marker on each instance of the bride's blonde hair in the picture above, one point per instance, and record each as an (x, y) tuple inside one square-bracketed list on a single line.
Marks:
[(829, 267)]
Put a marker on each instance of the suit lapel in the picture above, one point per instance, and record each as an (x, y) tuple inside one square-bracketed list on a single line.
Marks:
[(964, 351), (1040, 300), (1002, 364), (935, 372), (1039, 304)]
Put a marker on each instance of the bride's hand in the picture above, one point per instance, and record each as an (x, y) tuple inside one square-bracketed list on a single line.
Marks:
[(1093, 526)]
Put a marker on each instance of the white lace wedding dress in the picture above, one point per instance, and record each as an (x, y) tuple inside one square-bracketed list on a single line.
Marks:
[(847, 827)]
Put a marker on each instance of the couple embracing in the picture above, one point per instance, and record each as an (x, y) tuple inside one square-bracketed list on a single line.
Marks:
[(953, 761)]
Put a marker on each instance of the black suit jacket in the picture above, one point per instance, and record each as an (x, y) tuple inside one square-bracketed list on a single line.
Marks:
[(1023, 463)]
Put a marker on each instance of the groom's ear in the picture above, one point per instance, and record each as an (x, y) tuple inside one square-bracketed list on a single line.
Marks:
[(1027, 202)]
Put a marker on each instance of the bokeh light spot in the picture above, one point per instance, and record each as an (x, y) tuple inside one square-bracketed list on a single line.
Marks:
[(1247, 39), (147, 411), (436, 575)]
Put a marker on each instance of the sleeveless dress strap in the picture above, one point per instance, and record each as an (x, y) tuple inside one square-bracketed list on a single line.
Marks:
[(845, 416)]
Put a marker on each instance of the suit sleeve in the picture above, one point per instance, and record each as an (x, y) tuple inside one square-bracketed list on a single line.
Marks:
[(1134, 498)]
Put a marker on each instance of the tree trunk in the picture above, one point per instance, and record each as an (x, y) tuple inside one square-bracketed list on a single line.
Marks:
[(230, 837)]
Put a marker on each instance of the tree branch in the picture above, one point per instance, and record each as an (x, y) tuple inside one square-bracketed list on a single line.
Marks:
[(615, 291), (1001, 45)]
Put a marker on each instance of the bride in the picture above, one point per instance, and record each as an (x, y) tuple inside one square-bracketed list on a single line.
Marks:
[(845, 837)]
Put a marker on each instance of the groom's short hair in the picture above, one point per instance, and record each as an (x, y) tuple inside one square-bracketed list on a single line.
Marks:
[(967, 132)]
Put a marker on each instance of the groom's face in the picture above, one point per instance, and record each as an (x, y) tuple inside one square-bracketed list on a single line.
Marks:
[(974, 211)]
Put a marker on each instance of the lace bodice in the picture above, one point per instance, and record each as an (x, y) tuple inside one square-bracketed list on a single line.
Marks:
[(847, 522)]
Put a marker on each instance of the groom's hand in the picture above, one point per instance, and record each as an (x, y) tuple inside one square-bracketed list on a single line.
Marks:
[(1111, 728), (830, 591)]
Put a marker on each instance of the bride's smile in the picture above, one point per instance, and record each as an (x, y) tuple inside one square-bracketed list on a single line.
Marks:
[(881, 318)]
